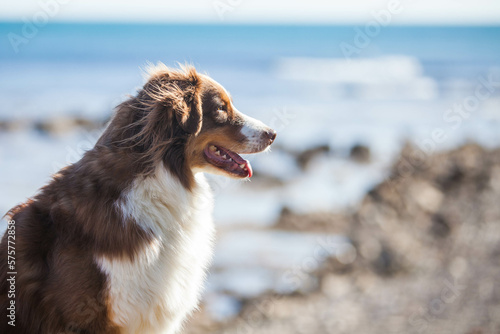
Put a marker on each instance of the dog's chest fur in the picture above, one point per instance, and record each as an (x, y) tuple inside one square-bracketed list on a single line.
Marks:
[(154, 292)]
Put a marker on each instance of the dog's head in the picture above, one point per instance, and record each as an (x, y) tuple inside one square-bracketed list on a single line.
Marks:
[(188, 121), (225, 133)]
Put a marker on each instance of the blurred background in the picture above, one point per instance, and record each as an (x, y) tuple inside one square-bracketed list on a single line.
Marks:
[(377, 209)]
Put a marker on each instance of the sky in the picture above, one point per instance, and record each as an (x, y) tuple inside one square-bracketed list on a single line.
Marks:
[(461, 12)]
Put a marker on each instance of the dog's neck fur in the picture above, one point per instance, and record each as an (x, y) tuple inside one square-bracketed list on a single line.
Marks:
[(163, 282), (153, 242)]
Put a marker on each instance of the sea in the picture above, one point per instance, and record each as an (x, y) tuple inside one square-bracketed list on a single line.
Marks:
[(436, 87)]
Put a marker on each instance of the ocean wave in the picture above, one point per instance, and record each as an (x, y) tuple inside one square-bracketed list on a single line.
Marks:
[(389, 77)]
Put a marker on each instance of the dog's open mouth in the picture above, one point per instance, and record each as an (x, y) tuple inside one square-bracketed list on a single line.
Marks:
[(228, 161)]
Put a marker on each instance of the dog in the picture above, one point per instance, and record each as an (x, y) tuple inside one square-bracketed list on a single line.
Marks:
[(120, 241)]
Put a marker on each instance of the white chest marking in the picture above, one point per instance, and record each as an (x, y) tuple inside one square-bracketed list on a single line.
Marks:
[(156, 291)]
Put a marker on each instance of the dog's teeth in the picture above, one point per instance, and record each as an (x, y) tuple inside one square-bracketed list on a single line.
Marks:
[(224, 156), (217, 153), (242, 166), (213, 148)]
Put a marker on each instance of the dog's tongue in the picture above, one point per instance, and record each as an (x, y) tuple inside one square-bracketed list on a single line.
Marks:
[(240, 161), (249, 168), (228, 160)]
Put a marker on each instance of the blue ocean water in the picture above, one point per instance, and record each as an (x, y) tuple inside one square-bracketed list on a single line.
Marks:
[(81, 67), (242, 45)]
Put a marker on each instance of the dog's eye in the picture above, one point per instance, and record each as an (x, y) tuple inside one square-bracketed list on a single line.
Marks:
[(221, 115)]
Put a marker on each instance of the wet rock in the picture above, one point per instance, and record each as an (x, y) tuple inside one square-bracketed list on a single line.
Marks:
[(12, 125), (326, 222), (360, 153), (440, 226), (428, 197), (386, 264), (4, 126), (61, 125), (306, 156)]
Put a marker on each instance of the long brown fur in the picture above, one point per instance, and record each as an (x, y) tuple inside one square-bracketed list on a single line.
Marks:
[(59, 288)]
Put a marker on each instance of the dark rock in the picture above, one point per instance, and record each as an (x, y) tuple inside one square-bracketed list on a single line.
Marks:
[(360, 153), (386, 264), (304, 157), (5, 126), (61, 125), (440, 227)]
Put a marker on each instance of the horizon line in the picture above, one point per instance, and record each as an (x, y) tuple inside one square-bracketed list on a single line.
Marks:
[(254, 23)]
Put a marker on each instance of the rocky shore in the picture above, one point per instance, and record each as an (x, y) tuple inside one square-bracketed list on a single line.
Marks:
[(425, 257)]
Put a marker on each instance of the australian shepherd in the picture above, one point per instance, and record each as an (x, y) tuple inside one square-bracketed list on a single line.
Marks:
[(120, 241)]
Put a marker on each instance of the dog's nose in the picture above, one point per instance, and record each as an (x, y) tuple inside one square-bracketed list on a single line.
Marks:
[(270, 135)]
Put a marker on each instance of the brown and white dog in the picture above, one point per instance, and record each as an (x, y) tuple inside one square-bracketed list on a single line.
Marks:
[(120, 241)]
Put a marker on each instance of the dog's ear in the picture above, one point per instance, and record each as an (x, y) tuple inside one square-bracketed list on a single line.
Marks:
[(178, 91), (189, 114)]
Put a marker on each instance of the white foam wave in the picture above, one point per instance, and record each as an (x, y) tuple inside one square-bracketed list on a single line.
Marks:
[(389, 77)]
